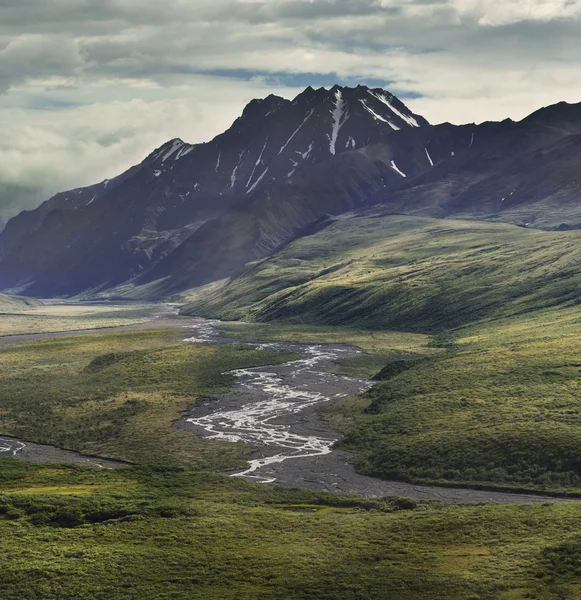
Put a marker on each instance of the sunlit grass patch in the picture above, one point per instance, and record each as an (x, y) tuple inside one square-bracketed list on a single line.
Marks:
[(71, 490), (380, 271), (174, 533)]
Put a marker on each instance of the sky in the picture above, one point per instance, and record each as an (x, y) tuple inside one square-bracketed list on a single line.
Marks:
[(90, 87)]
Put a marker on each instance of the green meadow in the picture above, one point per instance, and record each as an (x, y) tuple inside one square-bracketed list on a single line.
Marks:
[(21, 316), (69, 532), (404, 273), (116, 394), (473, 335)]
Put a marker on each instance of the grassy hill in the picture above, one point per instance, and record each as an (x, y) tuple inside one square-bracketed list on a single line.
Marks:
[(499, 408), (406, 273), (17, 303)]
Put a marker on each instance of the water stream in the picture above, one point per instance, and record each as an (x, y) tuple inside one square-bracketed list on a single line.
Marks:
[(275, 408), (269, 405)]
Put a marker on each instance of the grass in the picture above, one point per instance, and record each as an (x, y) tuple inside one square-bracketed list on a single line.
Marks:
[(406, 273), (26, 317), (17, 303), (177, 534), (116, 394), (501, 408)]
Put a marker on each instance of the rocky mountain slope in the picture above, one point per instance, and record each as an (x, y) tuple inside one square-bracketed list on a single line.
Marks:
[(524, 173)]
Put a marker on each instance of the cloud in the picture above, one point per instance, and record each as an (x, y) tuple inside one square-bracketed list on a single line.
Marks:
[(89, 87), (50, 149), (29, 57), (515, 11)]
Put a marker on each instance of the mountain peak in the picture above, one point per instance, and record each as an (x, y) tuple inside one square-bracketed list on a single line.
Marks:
[(562, 113), (310, 94), (264, 106)]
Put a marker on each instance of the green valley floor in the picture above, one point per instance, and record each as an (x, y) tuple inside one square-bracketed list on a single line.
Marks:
[(480, 386), (157, 533)]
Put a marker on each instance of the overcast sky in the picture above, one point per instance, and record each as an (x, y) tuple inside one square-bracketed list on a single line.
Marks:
[(89, 87)]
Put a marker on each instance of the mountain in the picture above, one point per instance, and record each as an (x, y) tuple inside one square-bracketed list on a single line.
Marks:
[(14, 198), (524, 173), (98, 237), (189, 215), (273, 217)]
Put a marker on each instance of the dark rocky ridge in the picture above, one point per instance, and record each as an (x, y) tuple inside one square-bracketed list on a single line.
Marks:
[(524, 173)]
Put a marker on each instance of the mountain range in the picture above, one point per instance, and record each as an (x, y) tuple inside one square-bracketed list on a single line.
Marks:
[(193, 214)]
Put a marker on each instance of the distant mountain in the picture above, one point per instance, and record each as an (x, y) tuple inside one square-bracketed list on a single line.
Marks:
[(97, 237)]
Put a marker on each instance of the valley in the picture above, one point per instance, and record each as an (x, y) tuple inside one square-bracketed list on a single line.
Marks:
[(283, 419), (59, 316), (334, 352), (174, 525)]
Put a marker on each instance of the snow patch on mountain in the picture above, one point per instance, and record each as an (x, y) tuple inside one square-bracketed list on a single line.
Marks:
[(292, 171), (394, 167), (296, 131), (257, 181), (340, 117), (186, 149), (176, 145), (305, 155), (233, 176), (258, 162), (377, 116), (386, 100)]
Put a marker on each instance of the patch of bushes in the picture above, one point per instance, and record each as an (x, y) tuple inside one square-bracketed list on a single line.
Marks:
[(69, 512)]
